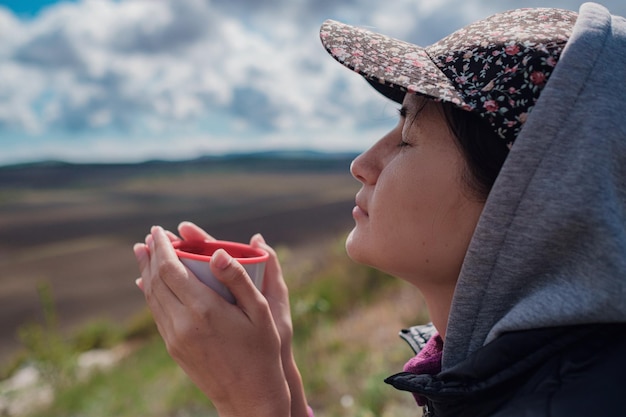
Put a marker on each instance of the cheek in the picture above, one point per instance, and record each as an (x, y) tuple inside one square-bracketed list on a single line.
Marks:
[(387, 237)]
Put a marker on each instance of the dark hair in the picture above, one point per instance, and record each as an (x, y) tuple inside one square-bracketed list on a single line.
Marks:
[(484, 151)]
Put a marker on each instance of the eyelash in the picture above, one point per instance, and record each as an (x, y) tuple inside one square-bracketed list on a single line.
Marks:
[(403, 112)]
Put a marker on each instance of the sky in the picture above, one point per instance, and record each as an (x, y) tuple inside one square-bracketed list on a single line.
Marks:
[(132, 80)]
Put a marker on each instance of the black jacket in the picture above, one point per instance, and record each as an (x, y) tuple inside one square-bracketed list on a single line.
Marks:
[(555, 372)]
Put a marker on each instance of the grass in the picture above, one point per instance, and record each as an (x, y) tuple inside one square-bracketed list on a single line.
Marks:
[(345, 320), (147, 383)]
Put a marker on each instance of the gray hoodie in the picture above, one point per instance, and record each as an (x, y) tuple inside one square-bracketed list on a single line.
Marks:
[(550, 246)]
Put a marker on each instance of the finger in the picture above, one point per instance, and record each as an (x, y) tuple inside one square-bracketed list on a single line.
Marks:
[(232, 274), (142, 253), (162, 267), (172, 236), (164, 263), (178, 281), (142, 256), (190, 231), (164, 305), (143, 259), (273, 284)]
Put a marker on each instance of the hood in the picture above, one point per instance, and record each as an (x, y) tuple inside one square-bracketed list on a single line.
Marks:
[(550, 246)]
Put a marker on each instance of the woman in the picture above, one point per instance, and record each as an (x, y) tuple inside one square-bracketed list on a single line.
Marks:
[(520, 254)]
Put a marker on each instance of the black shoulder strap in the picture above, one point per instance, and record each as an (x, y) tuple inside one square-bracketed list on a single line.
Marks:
[(417, 336)]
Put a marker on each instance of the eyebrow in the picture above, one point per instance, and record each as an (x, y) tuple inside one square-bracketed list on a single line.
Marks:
[(421, 101), (412, 112)]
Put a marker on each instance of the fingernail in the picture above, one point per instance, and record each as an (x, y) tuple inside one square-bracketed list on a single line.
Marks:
[(221, 259), (139, 283), (259, 237)]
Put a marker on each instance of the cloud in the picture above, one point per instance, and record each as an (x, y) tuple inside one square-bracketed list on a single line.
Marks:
[(102, 64), (213, 69)]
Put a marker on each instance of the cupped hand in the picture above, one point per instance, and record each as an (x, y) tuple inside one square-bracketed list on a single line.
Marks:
[(274, 287), (231, 352)]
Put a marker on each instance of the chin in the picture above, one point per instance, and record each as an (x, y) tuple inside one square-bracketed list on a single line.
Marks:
[(367, 255), (354, 250), (350, 245)]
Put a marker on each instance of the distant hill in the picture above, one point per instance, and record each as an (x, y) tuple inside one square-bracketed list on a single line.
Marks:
[(50, 174)]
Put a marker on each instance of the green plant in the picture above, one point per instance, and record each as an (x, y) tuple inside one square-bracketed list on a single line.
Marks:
[(141, 326), (98, 334), (44, 343), (338, 288), (147, 383)]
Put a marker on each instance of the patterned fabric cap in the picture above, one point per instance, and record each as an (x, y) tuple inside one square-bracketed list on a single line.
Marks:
[(495, 67)]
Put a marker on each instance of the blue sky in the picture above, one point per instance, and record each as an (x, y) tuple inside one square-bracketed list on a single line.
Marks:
[(129, 80), (27, 8)]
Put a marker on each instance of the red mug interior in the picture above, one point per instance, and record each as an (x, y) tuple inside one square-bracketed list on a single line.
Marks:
[(202, 250)]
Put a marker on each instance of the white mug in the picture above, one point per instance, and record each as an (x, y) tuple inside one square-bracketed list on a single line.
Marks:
[(196, 255)]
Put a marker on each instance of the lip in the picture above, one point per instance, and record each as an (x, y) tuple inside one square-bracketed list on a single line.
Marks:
[(359, 209), (358, 212)]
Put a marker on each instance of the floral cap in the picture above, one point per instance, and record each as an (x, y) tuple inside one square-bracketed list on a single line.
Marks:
[(495, 67)]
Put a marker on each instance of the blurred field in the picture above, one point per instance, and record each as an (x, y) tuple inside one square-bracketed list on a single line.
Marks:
[(67, 282), (72, 227), (345, 317)]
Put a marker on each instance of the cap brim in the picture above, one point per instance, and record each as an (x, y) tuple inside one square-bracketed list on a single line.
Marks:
[(393, 67)]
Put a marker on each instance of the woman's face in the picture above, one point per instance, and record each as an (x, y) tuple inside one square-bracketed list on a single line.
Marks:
[(414, 218)]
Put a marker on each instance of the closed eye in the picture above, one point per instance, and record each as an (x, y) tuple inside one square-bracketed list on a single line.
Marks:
[(403, 111)]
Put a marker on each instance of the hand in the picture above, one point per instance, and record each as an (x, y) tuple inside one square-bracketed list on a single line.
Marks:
[(277, 295), (274, 287), (231, 352)]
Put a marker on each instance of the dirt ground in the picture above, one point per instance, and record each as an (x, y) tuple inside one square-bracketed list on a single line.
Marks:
[(78, 240)]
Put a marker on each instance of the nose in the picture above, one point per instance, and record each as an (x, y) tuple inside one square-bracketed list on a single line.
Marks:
[(365, 167), (356, 168)]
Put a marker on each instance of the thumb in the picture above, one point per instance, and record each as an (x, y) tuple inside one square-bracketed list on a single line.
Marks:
[(233, 275)]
